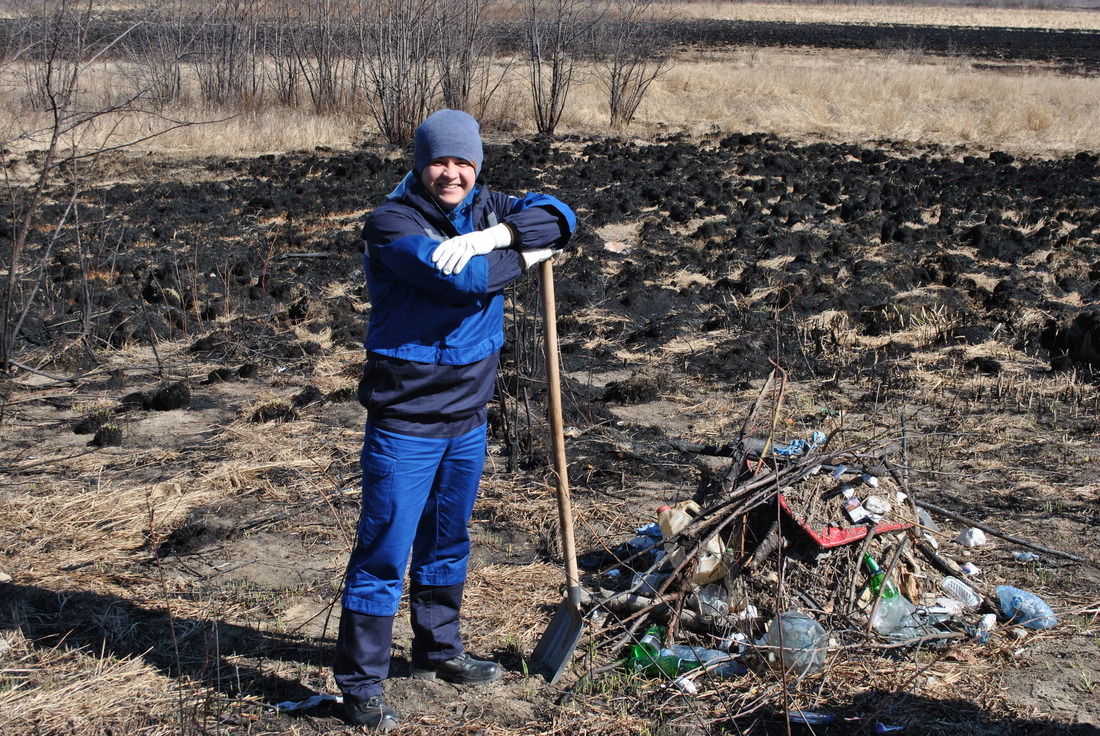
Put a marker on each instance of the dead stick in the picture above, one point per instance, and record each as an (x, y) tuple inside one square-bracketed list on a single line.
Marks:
[(997, 533)]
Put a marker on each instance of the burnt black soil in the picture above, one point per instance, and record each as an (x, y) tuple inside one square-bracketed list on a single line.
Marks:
[(854, 229), (1074, 51)]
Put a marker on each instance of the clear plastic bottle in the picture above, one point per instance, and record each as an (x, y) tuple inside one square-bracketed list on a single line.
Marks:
[(894, 611), (1025, 608), (648, 585), (961, 592), (714, 661), (713, 601), (798, 642)]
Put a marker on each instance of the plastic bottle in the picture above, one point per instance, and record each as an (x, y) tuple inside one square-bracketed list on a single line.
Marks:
[(798, 642), (961, 592), (713, 601), (1025, 608), (649, 584), (694, 657), (672, 519), (894, 611)]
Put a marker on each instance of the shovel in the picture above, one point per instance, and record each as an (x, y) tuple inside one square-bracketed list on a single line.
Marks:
[(555, 649)]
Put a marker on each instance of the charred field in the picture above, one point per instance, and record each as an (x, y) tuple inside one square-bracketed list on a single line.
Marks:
[(180, 441)]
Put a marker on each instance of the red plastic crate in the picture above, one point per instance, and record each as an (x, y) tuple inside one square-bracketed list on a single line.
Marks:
[(833, 536)]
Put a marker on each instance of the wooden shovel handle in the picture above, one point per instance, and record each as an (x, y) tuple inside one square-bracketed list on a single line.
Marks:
[(561, 467)]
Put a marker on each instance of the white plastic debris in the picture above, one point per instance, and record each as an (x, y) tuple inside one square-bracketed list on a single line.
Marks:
[(972, 537), (735, 642), (685, 685), (877, 506), (1025, 556)]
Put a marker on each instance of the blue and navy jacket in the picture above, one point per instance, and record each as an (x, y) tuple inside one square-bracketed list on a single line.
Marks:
[(433, 339)]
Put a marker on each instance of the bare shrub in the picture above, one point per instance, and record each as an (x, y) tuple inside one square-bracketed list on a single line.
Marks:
[(553, 32), (68, 121), (631, 57), (397, 63), (319, 55), (228, 48)]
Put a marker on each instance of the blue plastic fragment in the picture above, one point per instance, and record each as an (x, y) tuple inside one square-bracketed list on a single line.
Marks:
[(800, 447)]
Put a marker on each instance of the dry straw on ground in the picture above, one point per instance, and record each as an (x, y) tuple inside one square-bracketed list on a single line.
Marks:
[(833, 95), (72, 536)]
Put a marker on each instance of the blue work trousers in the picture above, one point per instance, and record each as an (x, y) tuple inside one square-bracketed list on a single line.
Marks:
[(418, 494)]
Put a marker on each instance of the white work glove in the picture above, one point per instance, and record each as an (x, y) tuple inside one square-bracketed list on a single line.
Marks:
[(451, 255), (537, 256)]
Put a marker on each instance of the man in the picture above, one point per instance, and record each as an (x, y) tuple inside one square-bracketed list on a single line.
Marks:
[(438, 253)]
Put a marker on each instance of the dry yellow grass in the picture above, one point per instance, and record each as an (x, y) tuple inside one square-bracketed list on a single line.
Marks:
[(832, 95), (864, 96), (812, 94)]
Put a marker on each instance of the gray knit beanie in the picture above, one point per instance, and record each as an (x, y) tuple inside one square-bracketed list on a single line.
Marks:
[(447, 133)]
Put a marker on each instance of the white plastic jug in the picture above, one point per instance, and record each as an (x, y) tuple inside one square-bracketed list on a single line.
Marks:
[(672, 520)]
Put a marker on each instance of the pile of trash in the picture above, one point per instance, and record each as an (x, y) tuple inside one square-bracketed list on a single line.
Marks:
[(807, 551)]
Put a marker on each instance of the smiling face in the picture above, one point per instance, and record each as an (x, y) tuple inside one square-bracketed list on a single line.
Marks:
[(449, 180)]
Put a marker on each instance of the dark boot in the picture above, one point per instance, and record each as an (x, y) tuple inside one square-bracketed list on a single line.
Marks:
[(464, 669), (372, 713), (437, 649)]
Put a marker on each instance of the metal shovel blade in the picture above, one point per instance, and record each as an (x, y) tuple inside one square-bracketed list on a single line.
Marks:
[(555, 649)]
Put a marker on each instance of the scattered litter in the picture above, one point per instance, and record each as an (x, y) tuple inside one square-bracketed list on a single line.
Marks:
[(797, 643), (807, 551), (288, 706), (800, 447), (972, 537), (961, 592), (813, 719), (1025, 608), (877, 506), (1025, 556), (985, 627), (686, 685)]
